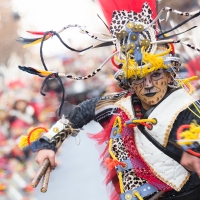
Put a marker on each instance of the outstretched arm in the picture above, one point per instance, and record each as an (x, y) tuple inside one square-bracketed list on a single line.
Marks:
[(77, 117)]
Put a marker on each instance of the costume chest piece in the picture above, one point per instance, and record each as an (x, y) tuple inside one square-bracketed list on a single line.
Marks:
[(165, 168)]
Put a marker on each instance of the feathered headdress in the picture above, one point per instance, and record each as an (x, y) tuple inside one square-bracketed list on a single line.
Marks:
[(140, 44)]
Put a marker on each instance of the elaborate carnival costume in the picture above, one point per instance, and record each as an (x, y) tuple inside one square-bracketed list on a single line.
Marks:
[(141, 144)]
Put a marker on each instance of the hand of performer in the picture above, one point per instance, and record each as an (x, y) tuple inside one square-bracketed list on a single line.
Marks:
[(190, 162), (46, 153)]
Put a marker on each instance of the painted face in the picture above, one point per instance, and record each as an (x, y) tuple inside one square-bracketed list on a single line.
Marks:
[(152, 88)]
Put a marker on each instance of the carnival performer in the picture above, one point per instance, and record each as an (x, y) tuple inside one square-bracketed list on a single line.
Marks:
[(141, 123)]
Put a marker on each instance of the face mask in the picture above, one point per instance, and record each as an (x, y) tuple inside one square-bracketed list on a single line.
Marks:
[(152, 88)]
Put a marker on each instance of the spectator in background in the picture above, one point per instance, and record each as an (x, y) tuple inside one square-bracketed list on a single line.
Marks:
[(21, 117)]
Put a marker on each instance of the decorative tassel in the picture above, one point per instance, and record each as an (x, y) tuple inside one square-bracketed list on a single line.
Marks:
[(111, 163), (32, 136)]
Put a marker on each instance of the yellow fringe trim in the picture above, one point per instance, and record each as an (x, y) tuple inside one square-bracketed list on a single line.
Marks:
[(187, 83), (191, 88), (152, 62), (187, 80), (33, 137), (23, 141), (193, 111), (196, 107)]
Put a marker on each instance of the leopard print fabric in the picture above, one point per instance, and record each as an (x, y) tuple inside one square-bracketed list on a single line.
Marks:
[(120, 18), (131, 181), (119, 150)]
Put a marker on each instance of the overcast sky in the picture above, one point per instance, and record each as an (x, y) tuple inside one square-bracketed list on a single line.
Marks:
[(37, 15)]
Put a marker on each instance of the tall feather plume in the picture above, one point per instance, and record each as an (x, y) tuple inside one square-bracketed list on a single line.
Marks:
[(31, 41)]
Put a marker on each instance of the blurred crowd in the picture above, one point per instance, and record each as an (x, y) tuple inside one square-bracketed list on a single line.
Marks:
[(20, 109)]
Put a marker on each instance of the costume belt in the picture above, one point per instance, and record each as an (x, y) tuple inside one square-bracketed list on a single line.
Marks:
[(190, 195)]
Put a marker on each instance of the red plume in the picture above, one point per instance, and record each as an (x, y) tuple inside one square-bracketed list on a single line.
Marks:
[(38, 33), (108, 6)]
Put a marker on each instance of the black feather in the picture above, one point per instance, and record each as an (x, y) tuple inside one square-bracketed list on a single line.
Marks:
[(30, 70)]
